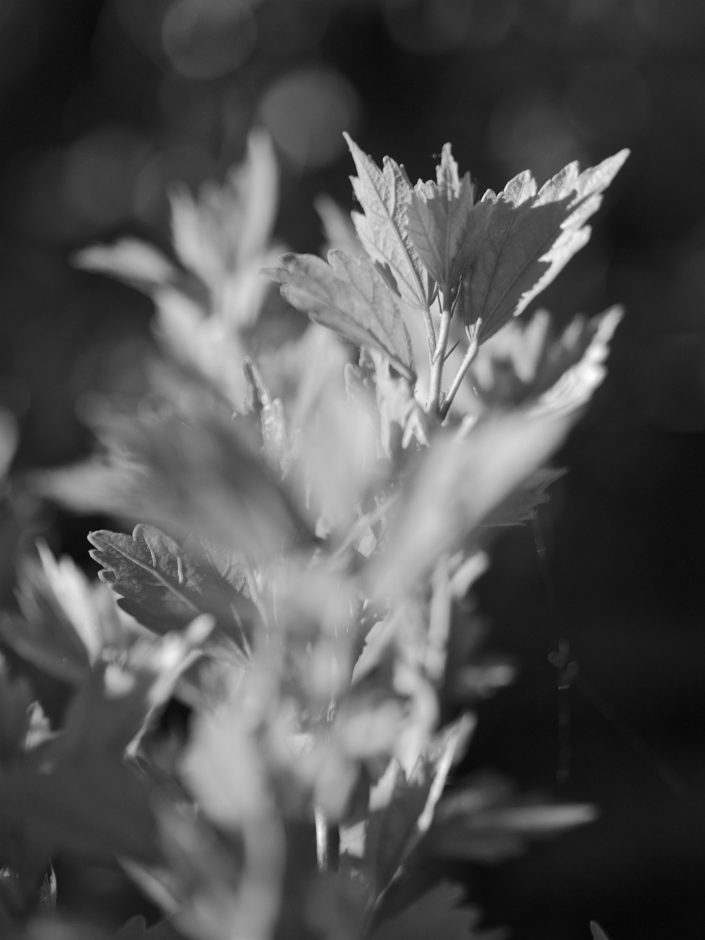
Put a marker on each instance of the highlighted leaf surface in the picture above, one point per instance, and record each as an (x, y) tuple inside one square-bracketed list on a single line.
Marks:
[(521, 239), (352, 298)]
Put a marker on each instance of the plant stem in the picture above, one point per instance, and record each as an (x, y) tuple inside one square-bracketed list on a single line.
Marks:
[(470, 354), (327, 843), (430, 330), (437, 362)]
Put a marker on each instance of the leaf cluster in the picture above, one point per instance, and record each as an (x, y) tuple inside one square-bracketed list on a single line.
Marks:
[(300, 532)]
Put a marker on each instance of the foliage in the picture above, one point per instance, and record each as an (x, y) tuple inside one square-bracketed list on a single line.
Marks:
[(310, 520)]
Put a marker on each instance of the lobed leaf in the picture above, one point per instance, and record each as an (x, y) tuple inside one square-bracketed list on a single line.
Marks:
[(384, 196), (164, 587), (438, 913), (521, 239), (438, 221), (352, 298)]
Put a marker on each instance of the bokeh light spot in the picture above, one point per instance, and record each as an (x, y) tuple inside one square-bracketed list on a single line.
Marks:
[(306, 113), (206, 39)]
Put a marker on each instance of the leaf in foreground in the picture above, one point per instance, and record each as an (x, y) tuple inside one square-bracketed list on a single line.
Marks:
[(384, 196), (521, 239), (438, 220), (351, 297)]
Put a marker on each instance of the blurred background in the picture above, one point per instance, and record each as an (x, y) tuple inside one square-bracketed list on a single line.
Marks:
[(106, 103)]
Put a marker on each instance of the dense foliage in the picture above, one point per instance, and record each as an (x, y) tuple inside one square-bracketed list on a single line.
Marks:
[(312, 514)]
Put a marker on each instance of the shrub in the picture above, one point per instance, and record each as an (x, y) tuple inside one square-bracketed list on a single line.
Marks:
[(313, 508)]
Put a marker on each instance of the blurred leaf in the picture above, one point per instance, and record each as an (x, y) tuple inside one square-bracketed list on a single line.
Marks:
[(198, 472), (486, 823), (115, 703), (384, 196), (352, 298), (519, 507), (597, 931), (133, 262), (435, 914), (67, 624), (15, 700), (338, 228), (9, 439), (521, 239), (165, 587), (437, 222), (136, 929), (402, 807)]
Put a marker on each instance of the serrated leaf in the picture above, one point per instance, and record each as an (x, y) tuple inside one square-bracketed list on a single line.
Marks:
[(384, 196), (164, 587), (351, 297), (437, 221), (435, 914), (521, 239)]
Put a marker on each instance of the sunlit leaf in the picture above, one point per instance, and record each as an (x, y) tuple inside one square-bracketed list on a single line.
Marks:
[(349, 296), (522, 238), (133, 262), (384, 196), (437, 221)]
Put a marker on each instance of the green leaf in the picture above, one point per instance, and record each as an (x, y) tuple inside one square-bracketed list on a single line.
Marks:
[(352, 298), (164, 587), (435, 914), (519, 240), (133, 262), (438, 219), (384, 196)]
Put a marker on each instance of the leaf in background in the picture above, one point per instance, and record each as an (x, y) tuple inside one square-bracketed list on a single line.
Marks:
[(348, 296), (228, 226), (114, 705), (435, 914), (67, 623), (486, 823), (520, 505), (597, 931), (526, 358), (164, 587), (136, 929), (384, 196), (15, 701), (521, 239), (338, 228), (133, 262), (402, 808), (437, 221)]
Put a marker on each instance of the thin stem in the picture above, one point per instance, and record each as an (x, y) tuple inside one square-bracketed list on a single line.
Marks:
[(470, 354), (430, 330), (437, 362), (327, 843)]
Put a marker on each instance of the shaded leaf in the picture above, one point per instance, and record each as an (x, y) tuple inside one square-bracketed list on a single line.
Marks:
[(597, 931), (519, 240), (67, 623), (438, 913), (407, 807), (520, 506), (164, 587), (437, 222), (349, 296), (384, 196), (15, 701), (136, 929)]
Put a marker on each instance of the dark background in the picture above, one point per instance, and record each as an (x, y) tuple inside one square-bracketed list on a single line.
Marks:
[(104, 104)]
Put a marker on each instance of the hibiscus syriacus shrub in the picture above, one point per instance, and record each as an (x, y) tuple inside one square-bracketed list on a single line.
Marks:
[(306, 507)]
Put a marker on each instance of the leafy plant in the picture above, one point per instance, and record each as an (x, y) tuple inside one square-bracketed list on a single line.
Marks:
[(311, 516)]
